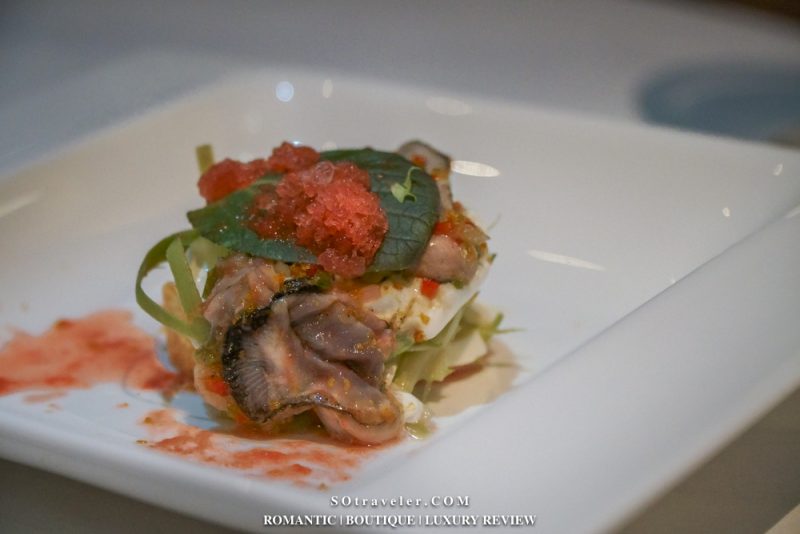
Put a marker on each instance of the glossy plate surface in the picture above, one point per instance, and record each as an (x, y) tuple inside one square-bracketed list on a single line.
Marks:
[(653, 275)]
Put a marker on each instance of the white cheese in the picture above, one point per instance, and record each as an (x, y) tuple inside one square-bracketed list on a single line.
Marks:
[(407, 310)]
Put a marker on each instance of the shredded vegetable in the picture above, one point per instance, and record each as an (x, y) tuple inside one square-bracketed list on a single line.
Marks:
[(205, 157), (171, 250), (462, 341)]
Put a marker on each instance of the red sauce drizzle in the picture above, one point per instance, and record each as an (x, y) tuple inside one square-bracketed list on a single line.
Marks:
[(302, 462), (79, 353)]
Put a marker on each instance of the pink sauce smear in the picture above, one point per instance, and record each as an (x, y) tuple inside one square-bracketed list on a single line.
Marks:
[(107, 347), (80, 353), (302, 462)]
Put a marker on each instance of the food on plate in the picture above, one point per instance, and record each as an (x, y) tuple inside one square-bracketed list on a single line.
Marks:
[(340, 284)]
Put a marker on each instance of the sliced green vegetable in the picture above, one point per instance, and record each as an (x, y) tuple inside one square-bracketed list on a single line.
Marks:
[(402, 344), (420, 429), (488, 331), (204, 254), (463, 340), (196, 328), (419, 362), (203, 257), (184, 279), (205, 157), (403, 191)]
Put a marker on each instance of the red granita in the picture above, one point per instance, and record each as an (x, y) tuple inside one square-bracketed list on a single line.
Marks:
[(264, 218), (227, 176), (329, 209), (290, 158)]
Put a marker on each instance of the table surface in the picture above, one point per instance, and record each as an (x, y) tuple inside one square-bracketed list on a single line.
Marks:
[(71, 68)]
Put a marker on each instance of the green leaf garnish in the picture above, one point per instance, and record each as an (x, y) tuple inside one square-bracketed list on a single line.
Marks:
[(402, 191)]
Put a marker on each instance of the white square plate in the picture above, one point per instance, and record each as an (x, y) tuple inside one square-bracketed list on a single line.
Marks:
[(653, 274)]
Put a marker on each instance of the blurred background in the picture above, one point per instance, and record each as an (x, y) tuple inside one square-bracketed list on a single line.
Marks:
[(719, 67), (71, 67)]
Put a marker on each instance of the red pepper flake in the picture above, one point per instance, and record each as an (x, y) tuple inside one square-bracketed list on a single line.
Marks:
[(217, 385), (429, 288), (443, 227), (419, 160)]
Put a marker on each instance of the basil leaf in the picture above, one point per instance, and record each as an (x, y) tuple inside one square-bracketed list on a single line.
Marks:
[(411, 221), (224, 222)]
